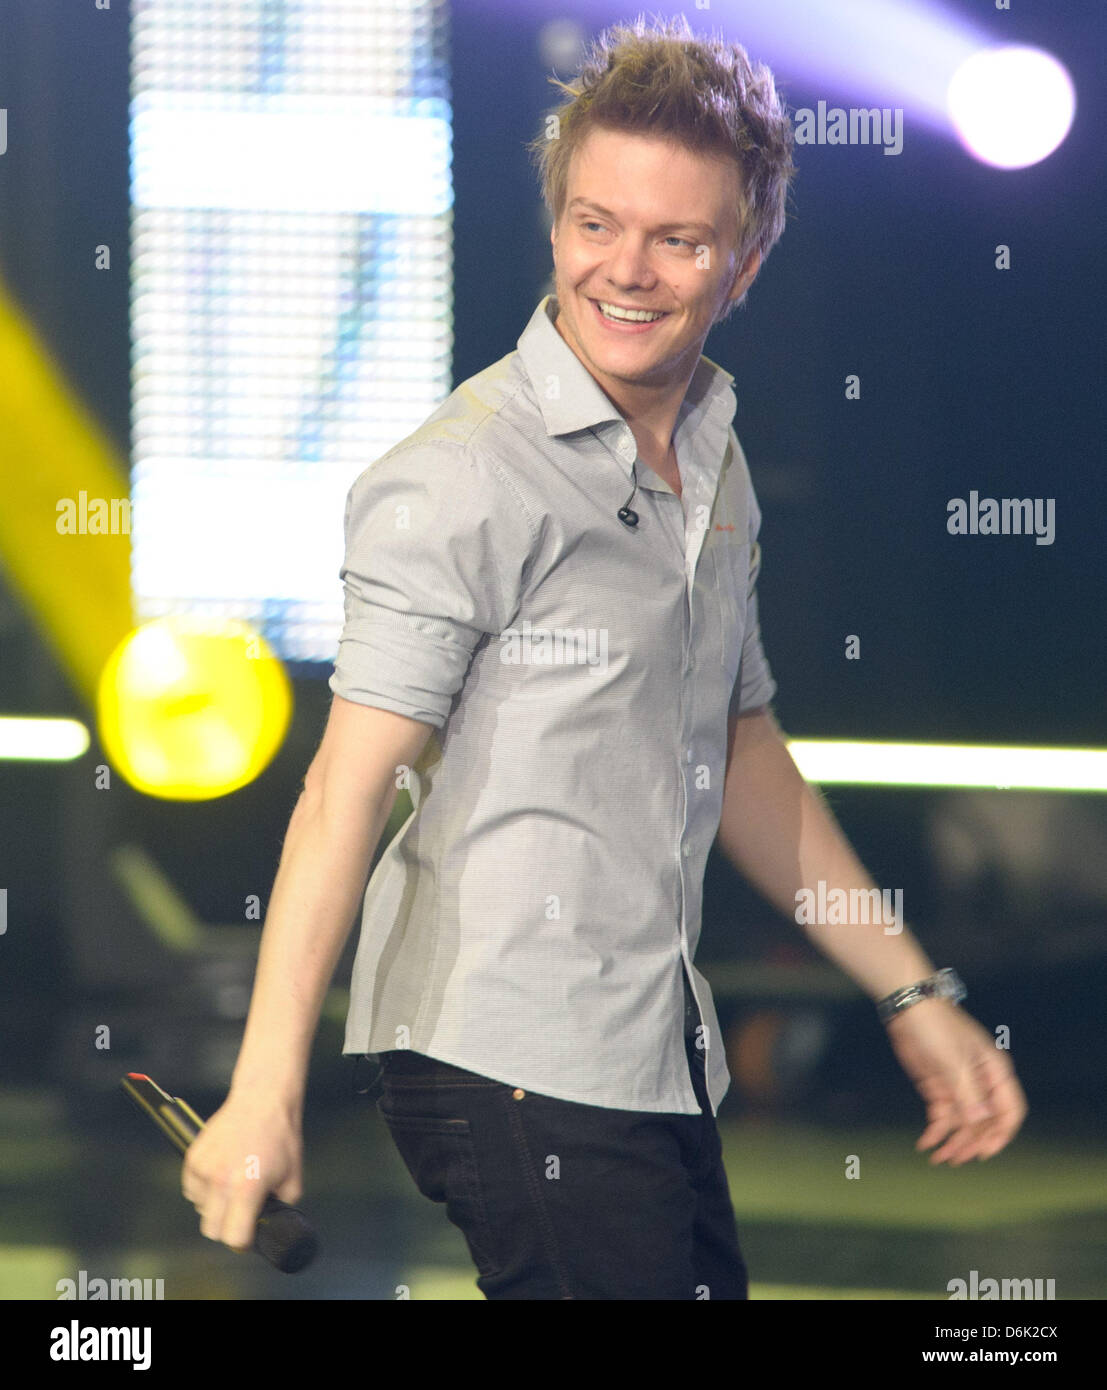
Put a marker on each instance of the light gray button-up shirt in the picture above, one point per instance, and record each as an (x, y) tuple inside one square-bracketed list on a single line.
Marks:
[(531, 918)]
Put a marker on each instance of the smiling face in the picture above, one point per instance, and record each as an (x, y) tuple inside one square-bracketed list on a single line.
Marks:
[(647, 225)]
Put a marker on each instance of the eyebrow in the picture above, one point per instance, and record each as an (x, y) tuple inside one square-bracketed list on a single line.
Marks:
[(586, 203)]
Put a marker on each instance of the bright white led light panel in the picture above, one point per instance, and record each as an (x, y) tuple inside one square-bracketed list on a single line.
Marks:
[(291, 291)]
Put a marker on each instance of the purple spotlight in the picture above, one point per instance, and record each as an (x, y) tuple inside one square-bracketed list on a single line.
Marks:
[(1011, 106)]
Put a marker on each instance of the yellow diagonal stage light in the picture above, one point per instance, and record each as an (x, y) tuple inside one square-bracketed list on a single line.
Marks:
[(77, 586)]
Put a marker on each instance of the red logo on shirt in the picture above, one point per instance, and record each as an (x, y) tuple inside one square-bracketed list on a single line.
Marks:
[(728, 527)]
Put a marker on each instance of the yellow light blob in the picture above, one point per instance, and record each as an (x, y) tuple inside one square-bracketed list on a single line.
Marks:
[(190, 708)]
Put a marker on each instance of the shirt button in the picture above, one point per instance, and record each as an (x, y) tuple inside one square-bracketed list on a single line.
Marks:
[(518, 1093)]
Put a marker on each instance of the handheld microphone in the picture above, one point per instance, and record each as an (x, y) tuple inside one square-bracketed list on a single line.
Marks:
[(283, 1236), (625, 515)]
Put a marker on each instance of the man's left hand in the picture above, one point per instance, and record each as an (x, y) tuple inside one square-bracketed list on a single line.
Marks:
[(973, 1098)]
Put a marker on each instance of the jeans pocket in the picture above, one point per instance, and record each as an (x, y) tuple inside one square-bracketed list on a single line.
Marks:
[(439, 1154)]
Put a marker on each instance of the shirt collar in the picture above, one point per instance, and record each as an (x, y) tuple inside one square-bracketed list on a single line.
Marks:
[(579, 402)]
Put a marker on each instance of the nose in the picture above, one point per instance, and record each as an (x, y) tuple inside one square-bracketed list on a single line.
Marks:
[(628, 266)]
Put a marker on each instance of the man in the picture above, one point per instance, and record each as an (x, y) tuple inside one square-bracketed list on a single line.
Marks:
[(556, 573)]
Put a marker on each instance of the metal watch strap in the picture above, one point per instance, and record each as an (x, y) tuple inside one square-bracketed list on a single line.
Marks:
[(945, 984)]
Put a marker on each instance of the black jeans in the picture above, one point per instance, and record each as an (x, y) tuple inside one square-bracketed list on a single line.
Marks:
[(561, 1200)]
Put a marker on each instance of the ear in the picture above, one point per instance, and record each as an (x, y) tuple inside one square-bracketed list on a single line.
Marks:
[(747, 275)]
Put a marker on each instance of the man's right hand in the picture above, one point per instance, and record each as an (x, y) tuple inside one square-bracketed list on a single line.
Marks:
[(249, 1148)]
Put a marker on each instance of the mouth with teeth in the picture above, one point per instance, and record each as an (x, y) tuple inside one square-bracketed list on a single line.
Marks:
[(624, 320)]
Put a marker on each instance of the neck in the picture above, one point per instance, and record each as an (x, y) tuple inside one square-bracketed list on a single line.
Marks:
[(652, 418)]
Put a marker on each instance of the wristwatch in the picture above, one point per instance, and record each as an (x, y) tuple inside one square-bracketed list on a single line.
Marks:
[(946, 984)]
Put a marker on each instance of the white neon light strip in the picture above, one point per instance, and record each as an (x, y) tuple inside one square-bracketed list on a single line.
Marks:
[(42, 740), (951, 765), (819, 760)]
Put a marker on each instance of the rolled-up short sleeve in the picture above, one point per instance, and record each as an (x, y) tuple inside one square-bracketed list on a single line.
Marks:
[(754, 685), (436, 545)]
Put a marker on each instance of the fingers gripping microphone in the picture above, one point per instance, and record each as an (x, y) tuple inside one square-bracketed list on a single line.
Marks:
[(283, 1237), (625, 515)]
